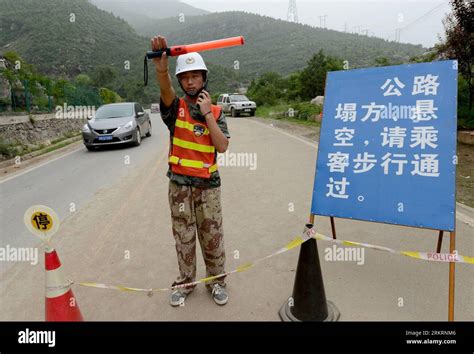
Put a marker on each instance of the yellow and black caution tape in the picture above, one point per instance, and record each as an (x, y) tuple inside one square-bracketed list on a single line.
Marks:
[(426, 256), (307, 234)]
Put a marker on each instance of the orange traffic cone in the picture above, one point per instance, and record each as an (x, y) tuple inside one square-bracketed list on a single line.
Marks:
[(60, 301)]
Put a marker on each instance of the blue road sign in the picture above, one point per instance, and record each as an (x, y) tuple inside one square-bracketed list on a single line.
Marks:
[(387, 150)]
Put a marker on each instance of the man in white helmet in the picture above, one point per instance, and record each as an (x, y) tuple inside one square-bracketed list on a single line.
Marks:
[(198, 131)]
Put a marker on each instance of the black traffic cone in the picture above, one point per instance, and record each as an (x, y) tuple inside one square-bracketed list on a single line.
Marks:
[(308, 302)]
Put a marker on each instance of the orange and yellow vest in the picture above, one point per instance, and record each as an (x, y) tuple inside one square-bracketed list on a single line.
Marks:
[(191, 150)]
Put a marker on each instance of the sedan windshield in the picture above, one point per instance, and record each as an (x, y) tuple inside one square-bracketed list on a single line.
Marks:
[(114, 111), (238, 98)]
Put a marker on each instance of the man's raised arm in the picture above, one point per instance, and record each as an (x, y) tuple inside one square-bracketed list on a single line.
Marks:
[(167, 91)]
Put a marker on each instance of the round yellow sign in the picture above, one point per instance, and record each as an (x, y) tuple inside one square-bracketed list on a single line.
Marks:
[(42, 221)]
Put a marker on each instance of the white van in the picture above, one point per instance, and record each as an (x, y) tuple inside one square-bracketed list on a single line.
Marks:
[(236, 103)]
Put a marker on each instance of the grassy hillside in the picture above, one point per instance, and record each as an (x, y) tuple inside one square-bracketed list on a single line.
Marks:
[(138, 12), (64, 38), (45, 37), (276, 45)]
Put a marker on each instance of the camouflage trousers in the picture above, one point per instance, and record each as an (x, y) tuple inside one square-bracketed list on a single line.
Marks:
[(197, 210)]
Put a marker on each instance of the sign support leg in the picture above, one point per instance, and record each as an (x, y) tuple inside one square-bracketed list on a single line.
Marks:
[(440, 241), (452, 246), (333, 228)]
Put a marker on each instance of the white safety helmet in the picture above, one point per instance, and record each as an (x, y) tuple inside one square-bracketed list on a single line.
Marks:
[(190, 62)]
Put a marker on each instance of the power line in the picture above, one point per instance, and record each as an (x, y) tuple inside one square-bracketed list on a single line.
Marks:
[(398, 30), (422, 16)]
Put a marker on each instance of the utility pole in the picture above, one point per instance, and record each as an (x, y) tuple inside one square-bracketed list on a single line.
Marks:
[(292, 15), (322, 21), (397, 34)]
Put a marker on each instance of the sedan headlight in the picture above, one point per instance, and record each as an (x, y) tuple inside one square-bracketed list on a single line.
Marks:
[(127, 126), (86, 129)]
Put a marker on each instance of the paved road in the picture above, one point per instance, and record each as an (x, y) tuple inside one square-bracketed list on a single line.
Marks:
[(67, 184), (121, 234)]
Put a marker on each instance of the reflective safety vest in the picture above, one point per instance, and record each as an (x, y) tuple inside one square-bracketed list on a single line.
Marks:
[(191, 150)]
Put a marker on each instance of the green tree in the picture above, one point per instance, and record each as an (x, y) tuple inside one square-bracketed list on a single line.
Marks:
[(459, 42), (465, 115), (267, 90), (102, 76), (382, 61), (109, 96), (83, 79), (313, 77), (426, 57), (294, 90), (58, 90)]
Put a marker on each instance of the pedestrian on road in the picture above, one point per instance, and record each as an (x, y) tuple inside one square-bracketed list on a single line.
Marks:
[(198, 131)]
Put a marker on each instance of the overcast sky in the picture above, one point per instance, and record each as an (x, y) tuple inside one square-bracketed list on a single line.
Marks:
[(420, 21)]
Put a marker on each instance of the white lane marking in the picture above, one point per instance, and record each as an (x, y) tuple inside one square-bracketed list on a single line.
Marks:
[(38, 166), (464, 218), (285, 133), (460, 216), (465, 207)]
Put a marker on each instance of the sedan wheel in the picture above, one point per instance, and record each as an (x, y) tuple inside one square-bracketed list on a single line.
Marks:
[(138, 133), (149, 129)]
